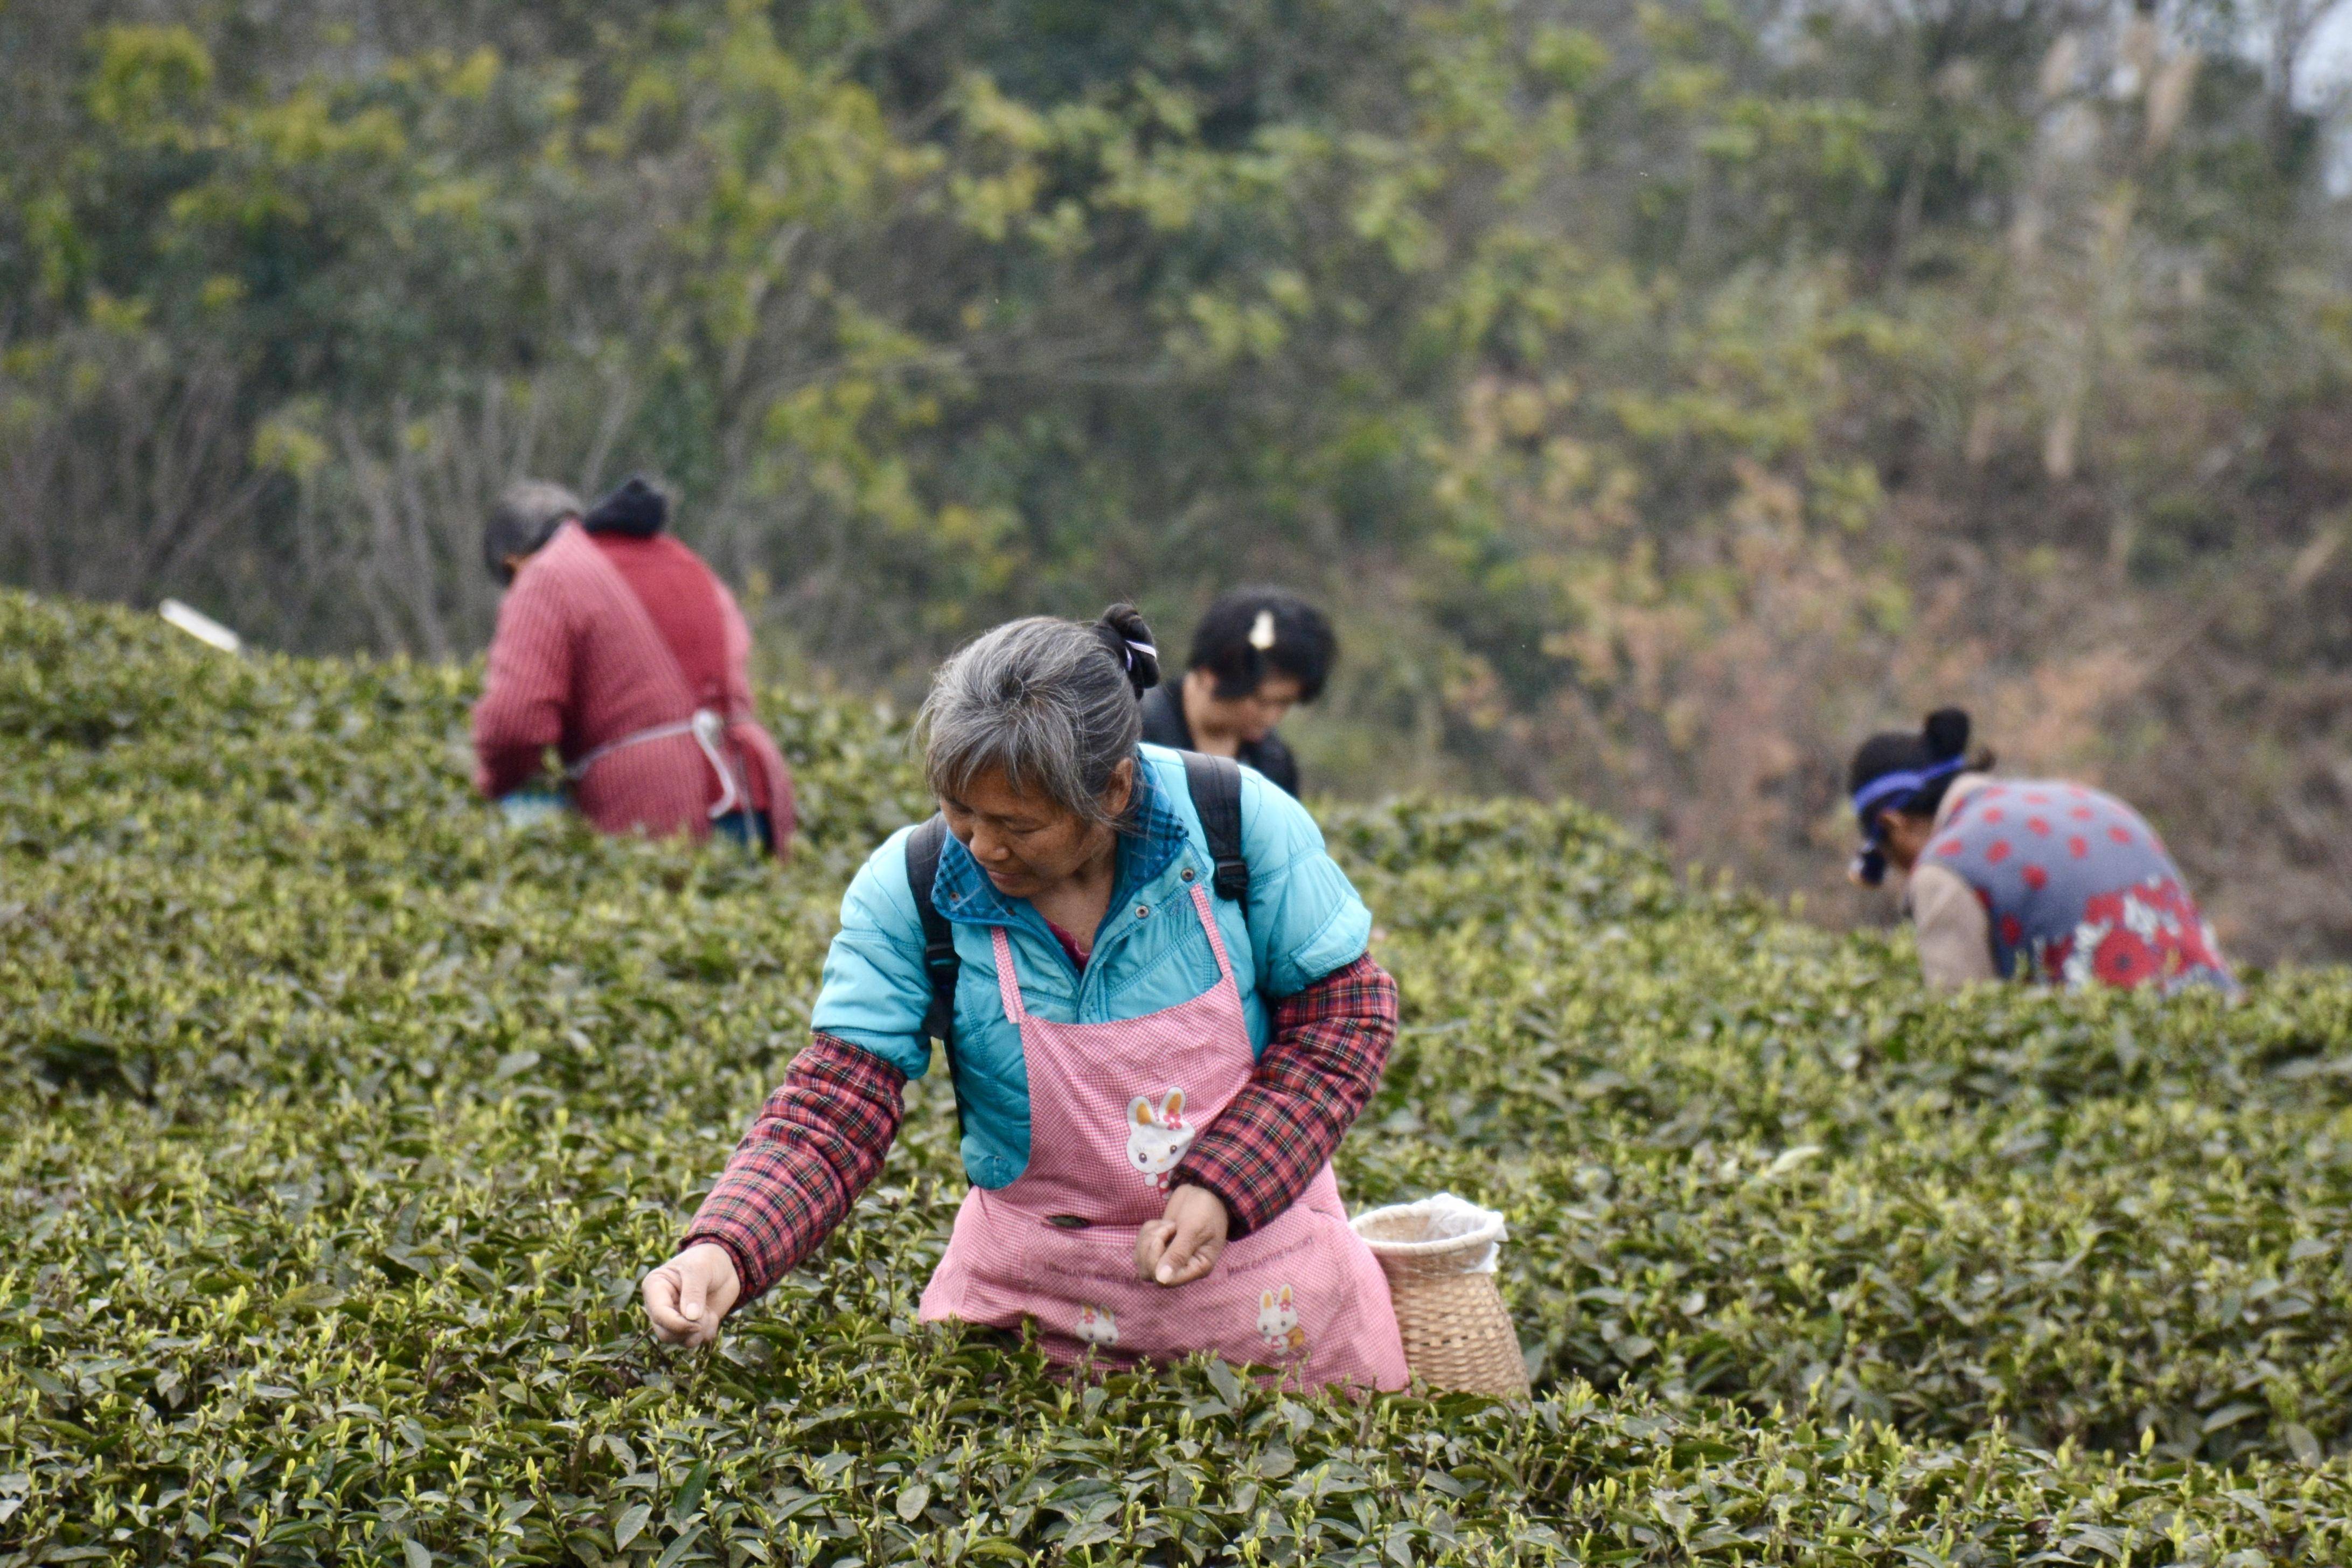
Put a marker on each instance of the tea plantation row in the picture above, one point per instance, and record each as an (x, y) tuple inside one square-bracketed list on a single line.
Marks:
[(337, 1122)]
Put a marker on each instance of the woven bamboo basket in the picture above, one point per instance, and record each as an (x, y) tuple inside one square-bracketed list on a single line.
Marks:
[(1439, 1257)]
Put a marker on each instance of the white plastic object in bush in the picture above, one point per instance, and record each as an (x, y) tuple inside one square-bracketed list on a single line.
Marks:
[(200, 626)]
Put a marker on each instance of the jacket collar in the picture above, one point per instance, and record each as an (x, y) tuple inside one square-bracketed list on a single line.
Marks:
[(1163, 707), (1153, 838), (1966, 785)]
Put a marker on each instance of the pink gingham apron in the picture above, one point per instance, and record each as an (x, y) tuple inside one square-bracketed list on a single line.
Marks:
[(1112, 1107)]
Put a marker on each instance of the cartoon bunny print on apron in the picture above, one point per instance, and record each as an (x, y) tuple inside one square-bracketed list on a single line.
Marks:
[(1158, 1136), (1096, 1325), (1277, 1323), (1114, 1108)]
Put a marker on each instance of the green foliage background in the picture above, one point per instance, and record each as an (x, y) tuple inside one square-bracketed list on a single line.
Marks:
[(1662, 395), (337, 1124)]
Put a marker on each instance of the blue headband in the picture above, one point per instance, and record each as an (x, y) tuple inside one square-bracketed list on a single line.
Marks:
[(1894, 790), (1890, 791)]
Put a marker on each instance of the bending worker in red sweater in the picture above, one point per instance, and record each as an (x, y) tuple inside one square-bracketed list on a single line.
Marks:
[(617, 647)]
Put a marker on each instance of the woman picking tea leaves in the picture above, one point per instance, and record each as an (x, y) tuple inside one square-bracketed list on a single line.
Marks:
[(1161, 1019), (2020, 878)]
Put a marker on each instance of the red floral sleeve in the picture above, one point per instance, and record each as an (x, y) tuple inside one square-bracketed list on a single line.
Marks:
[(1317, 1074), (815, 1145)]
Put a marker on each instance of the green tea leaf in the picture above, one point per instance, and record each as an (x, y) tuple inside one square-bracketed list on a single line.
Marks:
[(690, 1492)]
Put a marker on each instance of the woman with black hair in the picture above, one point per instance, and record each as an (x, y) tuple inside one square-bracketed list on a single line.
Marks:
[(2022, 879), (1256, 652)]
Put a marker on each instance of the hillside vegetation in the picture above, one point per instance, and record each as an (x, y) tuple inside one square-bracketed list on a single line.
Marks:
[(1662, 395), (338, 1122)]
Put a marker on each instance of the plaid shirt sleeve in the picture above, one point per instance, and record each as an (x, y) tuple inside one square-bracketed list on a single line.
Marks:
[(1330, 1041), (815, 1146)]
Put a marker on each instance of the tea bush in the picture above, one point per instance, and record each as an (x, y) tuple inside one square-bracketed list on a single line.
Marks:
[(337, 1121)]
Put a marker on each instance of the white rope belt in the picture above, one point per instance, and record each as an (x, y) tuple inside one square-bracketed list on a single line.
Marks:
[(708, 727)]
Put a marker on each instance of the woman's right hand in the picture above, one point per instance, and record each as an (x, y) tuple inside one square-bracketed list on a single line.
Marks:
[(687, 1296)]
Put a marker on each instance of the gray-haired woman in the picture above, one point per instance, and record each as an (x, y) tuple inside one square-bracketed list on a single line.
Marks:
[(1151, 1078)]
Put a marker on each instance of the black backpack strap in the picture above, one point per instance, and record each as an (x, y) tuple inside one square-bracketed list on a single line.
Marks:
[(1215, 783), (939, 960)]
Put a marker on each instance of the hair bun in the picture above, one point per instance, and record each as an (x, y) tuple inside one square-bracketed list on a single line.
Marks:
[(635, 510), (1947, 733), (1128, 635)]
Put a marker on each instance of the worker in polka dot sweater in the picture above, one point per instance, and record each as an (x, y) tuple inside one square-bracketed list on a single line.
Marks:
[(2023, 879)]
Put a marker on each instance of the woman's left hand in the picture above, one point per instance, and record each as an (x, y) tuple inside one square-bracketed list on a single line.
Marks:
[(1185, 1241)]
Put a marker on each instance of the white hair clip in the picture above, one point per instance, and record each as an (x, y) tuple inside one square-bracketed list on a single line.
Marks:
[(1261, 635), (1143, 648)]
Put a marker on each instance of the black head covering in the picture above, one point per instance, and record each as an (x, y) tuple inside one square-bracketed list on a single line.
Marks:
[(635, 510)]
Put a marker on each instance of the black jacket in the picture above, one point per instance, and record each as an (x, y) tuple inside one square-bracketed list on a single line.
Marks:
[(1163, 724)]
